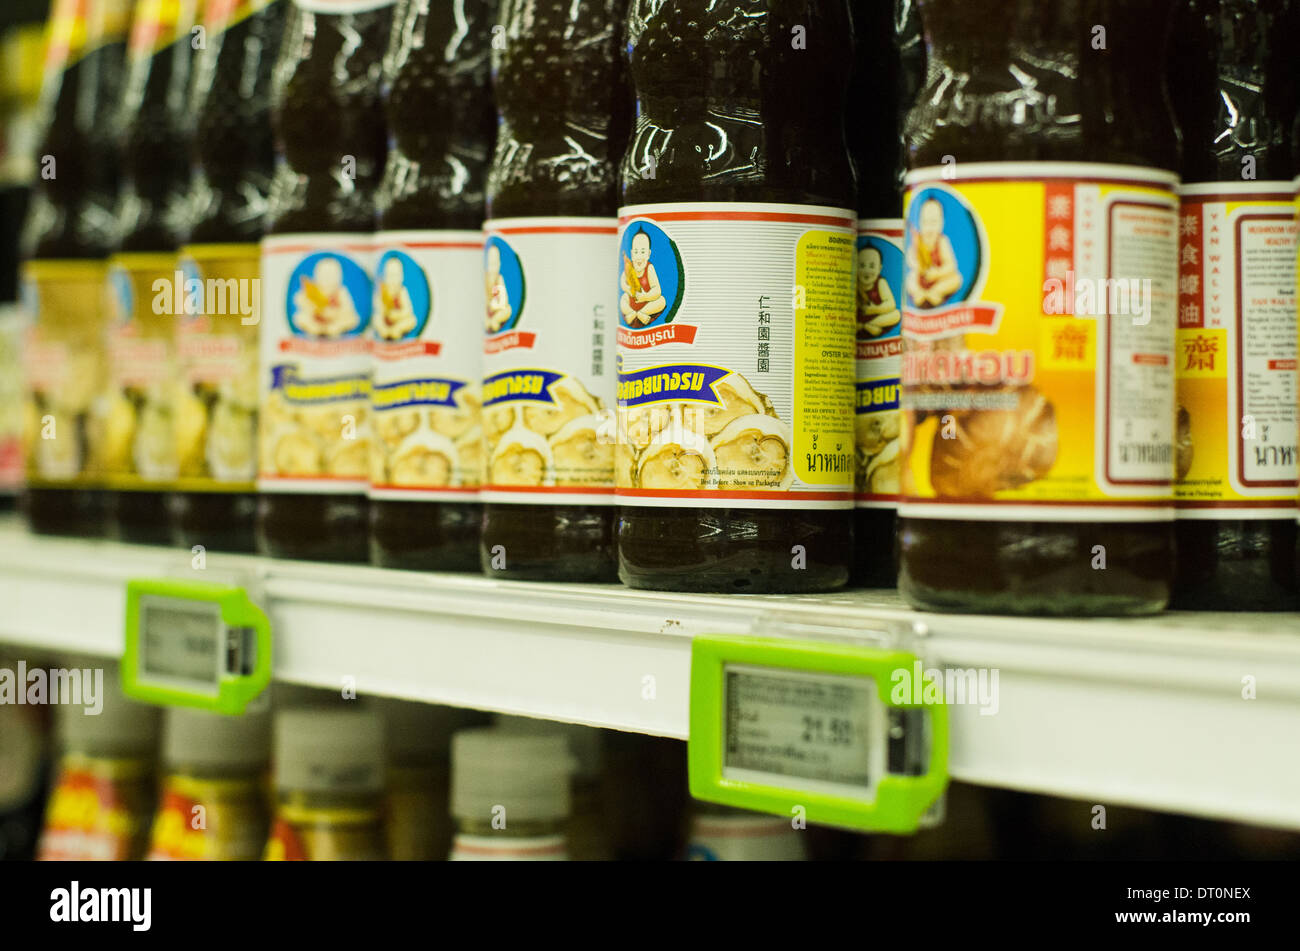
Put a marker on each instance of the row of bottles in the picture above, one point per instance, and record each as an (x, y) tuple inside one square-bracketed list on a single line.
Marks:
[(1037, 366), (319, 778)]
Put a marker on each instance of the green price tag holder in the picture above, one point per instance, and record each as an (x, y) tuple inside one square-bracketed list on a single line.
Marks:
[(197, 644), (887, 802)]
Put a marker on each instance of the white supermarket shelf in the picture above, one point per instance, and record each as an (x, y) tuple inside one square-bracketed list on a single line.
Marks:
[(1138, 712)]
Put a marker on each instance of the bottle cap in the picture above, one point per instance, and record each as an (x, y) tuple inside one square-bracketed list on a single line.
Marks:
[(122, 728), (584, 741), (197, 738), (319, 749), (528, 774)]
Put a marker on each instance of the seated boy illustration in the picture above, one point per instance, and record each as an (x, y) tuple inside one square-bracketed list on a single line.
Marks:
[(877, 310), (932, 275), (499, 310), (642, 299), (324, 306), (396, 316)]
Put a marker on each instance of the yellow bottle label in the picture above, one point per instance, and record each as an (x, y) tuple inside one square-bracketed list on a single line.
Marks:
[(1039, 309), (209, 820), (67, 382), (1237, 415), (877, 420), (216, 355), (147, 299)]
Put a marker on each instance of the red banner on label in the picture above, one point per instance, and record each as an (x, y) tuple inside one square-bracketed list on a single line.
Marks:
[(326, 348), (953, 320), (669, 333), (875, 349), (1191, 251), (515, 340), (412, 348)]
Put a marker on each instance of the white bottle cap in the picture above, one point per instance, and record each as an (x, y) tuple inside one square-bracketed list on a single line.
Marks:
[(323, 749), (122, 728), (584, 741), (197, 738), (527, 774)]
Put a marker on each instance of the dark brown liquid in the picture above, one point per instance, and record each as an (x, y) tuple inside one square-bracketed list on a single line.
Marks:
[(438, 62), (325, 105), (1089, 106), (1235, 95), (889, 68), (562, 106), (750, 119), (235, 155), (72, 215), (154, 215)]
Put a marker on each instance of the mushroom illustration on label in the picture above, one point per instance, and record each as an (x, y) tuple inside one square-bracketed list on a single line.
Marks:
[(736, 398), (522, 458), (753, 452), (583, 453), (677, 459), (1182, 444), (997, 449)]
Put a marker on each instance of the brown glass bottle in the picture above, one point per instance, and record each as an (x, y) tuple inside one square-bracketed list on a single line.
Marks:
[(1088, 105), (1234, 90), (154, 207), (71, 217), (561, 100), (889, 68), (327, 115), (235, 157), (732, 109), (437, 63)]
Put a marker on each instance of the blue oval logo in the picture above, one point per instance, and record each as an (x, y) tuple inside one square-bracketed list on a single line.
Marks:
[(403, 299), (651, 278), (328, 296), (945, 250), (504, 282), (880, 287)]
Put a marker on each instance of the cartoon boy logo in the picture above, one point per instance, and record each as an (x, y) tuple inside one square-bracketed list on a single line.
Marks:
[(933, 274), (402, 298), (503, 280), (323, 305), (650, 281), (643, 297), (878, 312)]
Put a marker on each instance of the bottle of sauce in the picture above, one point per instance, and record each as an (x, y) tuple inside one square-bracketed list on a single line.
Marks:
[(146, 297), (883, 88), (104, 788), (69, 233), (723, 834), (217, 341), (1235, 98), (548, 387), (427, 449), (510, 796), (214, 805), (736, 299), (329, 783), (1039, 311), (317, 292)]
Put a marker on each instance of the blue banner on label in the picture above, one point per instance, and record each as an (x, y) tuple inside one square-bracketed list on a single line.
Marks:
[(531, 385), (874, 396), (414, 393), (285, 379), (670, 383)]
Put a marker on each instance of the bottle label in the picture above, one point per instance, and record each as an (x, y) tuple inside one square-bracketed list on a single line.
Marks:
[(11, 398), (548, 382), (315, 368), (220, 15), (427, 366), (146, 300), (67, 380), (342, 6), (742, 839), (1039, 314), (95, 814), (735, 343), (159, 23), (308, 834), (109, 22), (202, 820), (1236, 369), (489, 848), (876, 418), (65, 37), (216, 354)]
